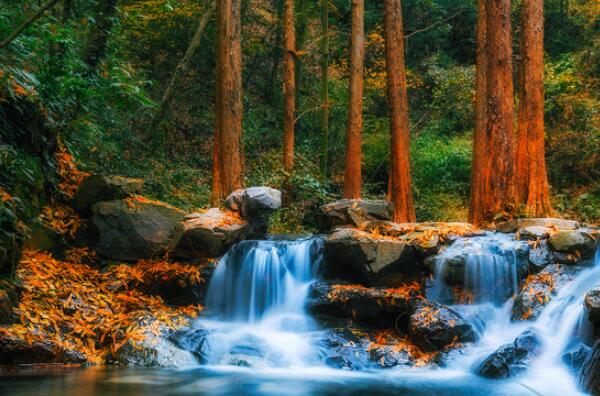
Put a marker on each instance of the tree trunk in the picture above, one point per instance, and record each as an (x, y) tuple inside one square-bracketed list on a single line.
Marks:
[(497, 170), (227, 154), (531, 175), (479, 133), (401, 185), (180, 70), (289, 86), (324, 88), (301, 23), (98, 37), (352, 175)]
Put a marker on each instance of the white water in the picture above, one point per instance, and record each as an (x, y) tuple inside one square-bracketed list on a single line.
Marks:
[(256, 305), (559, 326), (257, 296)]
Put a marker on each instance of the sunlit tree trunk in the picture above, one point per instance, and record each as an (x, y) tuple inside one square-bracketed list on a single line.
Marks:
[(352, 175), (289, 85), (479, 133), (324, 88), (227, 151), (531, 175), (97, 43), (401, 185), (497, 169)]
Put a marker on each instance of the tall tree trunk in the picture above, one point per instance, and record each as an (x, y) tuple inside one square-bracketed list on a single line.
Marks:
[(401, 184), (324, 88), (276, 55), (227, 152), (531, 175), (352, 175), (301, 23), (98, 37), (479, 133), (289, 85), (497, 170), (180, 70)]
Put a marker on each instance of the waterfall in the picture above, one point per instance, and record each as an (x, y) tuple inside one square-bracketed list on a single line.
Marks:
[(256, 301), (482, 269)]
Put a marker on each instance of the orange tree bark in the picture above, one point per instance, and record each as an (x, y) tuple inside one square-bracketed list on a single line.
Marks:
[(352, 175), (289, 85), (496, 172), (479, 133), (324, 5), (227, 151), (531, 175), (401, 189)]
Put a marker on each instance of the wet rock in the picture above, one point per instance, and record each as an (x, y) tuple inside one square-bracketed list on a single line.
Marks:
[(539, 257), (15, 351), (194, 340), (354, 212), (357, 256), (433, 327), (512, 359), (345, 348), (589, 379), (516, 224), (255, 204), (135, 229), (209, 234), (9, 299), (154, 350), (539, 289), (592, 305), (97, 188), (572, 246), (533, 233), (359, 303), (575, 358)]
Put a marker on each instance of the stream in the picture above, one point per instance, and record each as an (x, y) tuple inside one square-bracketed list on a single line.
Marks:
[(257, 338)]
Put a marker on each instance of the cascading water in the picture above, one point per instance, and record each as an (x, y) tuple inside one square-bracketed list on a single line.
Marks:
[(486, 267), (256, 300)]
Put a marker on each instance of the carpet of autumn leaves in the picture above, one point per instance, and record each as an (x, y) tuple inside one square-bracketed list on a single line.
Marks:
[(80, 308)]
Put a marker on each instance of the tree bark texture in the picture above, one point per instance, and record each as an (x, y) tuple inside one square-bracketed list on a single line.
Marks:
[(289, 85), (324, 88)]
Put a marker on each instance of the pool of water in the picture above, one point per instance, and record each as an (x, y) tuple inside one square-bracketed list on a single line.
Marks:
[(104, 381)]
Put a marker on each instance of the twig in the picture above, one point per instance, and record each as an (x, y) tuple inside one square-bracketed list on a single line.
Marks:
[(27, 22)]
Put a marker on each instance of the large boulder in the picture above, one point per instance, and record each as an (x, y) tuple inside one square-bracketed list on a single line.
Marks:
[(592, 305), (434, 327), (133, 229), (44, 238), (255, 204), (512, 359), (355, 212), (16, 351), (571, 247), (515, 225), (539, 289), (358, 256), (209, 234), (360, 303), (97, 188)]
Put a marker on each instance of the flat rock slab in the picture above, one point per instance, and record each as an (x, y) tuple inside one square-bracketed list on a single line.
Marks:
[(134, 228), (516, 224), (354, 212), (209, 234)]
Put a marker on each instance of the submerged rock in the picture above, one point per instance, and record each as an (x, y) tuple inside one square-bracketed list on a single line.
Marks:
[(255, 204), (134, 229), (194, 340), (16, 351), (354, 212), (355, 255), (539, 289), (360, 303), (209, 234), (512, 359), (97, 188), (433, 327), (589, 379)]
